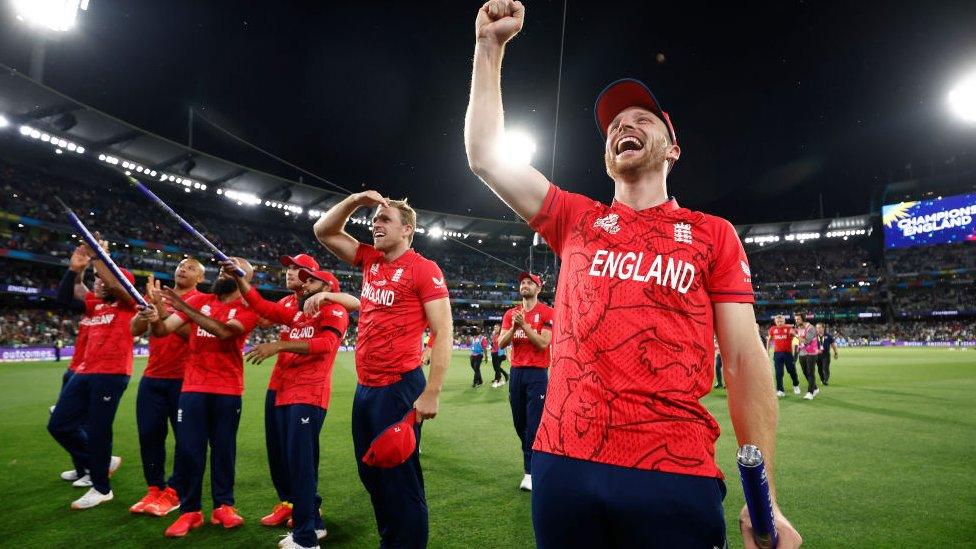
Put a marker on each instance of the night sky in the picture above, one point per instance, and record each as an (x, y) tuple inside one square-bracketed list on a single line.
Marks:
[(773, 104)]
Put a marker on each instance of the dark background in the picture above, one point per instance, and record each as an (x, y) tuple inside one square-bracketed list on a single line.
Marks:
[(775, 104)]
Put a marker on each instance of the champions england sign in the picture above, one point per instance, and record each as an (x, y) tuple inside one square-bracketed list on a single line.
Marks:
[(933, 221)]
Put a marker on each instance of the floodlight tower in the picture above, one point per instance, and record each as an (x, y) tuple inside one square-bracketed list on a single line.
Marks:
[(49, 18)]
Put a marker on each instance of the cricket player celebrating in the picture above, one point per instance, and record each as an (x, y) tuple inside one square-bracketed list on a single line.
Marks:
[(158, 399), (624, 456), (528, 328), (402, 294), (210, 402), (91, 397), (303, 389)]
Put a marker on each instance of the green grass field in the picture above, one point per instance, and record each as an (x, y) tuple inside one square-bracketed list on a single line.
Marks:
[(884, 457)]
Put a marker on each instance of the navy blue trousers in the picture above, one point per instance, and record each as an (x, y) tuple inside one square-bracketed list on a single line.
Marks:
[(302, 424), (88, 400), (274, 430), (64, 378), (204, 419), (585, 504), (784, 361), (157, 403), (718, 370), (526, 394), (399, 501), (82, 433)]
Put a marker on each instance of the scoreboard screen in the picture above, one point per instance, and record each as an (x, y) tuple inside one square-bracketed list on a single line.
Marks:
[(941, 220)]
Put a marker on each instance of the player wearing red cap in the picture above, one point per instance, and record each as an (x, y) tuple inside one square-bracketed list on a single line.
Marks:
[(625, 451), (303, 389), (158, 399), (91, 396), (210, 402), (402, 294), (528, 328)]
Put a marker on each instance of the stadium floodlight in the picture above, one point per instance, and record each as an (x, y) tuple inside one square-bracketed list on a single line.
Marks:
[(435, 232), (516, 147), (3, 121), (962, 98), (26, 130), (57, 15)]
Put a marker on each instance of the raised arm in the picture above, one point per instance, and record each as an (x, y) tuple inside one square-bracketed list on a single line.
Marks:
[(438, 312), (752, 403), (330, 228), (221, 330), (522, 187)]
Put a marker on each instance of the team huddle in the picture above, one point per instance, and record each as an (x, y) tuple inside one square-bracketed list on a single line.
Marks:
[(604, 386)]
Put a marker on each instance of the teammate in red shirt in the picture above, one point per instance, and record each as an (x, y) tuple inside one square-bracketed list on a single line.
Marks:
[(303, 389), (210, 402), (402, 294), (158, 399), (528, 328), (642, 285), (781, 342), (91, 396)]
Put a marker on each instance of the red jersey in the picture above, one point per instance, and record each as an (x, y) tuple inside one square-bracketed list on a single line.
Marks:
[(168, 354), (524, 353), (391, 316), (782, 338), (290, 301), (217, 366), (81, 339), (633, 331), (108, 349), (305, 379), (494, 345)]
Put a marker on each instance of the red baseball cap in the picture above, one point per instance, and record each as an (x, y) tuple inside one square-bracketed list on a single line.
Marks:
[(324, 276), (304, 261), (623, 94), (394, 445), (128, 276), (534, 278)]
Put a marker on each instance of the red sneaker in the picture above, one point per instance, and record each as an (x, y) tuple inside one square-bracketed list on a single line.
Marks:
[(139, 507), (186, 522), (279, 514), (165, 503), (226, 516)]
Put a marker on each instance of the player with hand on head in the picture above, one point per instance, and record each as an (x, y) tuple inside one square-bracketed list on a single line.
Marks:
[(158, 399), (642, 286), (781, 342), (303, 389), (528, 329), (402, 294), (210, 401), (91, 397)]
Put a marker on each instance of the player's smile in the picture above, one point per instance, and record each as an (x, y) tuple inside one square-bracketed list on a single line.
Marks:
[(628, 145)]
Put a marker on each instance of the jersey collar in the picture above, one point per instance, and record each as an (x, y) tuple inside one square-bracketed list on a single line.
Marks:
[(670, 205)]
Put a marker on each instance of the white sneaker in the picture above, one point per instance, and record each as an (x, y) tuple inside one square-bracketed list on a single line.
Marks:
[(83, 482), (808, 396), (70, 476), (816, 392), (526, 484), (502, 382), (494, 384), (91, 498), (113, 465), (796, 390), (780, 394), (289, 542), (51, 411)]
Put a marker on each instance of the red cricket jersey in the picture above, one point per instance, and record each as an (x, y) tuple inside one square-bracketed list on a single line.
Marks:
[(524, 353), (108, 349), (632, 340), (217, 366), (391, 316), (782, 338), (81, 339), (168, 354), (305, 379), (290, 301)]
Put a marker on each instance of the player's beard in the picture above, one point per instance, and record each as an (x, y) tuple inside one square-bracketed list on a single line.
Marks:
[(304, 297), (223, 286), (652, 159)]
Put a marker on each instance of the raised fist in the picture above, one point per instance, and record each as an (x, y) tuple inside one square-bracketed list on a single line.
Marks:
[(499, 20), (371, 198)]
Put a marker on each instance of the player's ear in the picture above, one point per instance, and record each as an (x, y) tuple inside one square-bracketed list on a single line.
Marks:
[(673, 154)]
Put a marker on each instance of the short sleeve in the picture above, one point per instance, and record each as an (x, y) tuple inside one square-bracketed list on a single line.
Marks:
[(558, 211), (196, 302), (334, 317), (430, 282), (365, 254), (507, 320), (729, 278), (547, 319)]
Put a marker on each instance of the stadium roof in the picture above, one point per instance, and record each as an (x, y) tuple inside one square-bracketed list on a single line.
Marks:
[(28, 105)]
